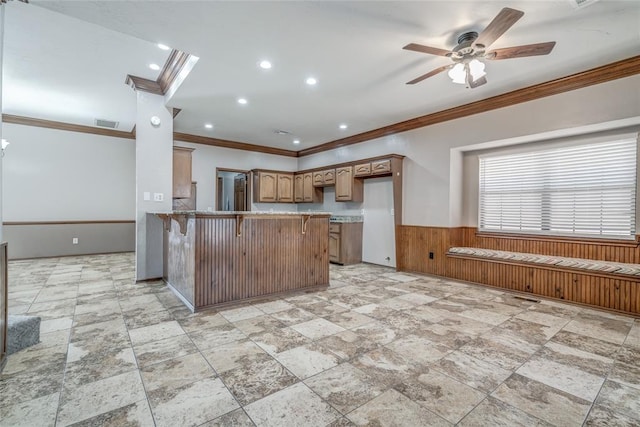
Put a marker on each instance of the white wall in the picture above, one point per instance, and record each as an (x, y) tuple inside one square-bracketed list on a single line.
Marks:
[(427, 185), (206, 158), (54, 175), (1, 56)]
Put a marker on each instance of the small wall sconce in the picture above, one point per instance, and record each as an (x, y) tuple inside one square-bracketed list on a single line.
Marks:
[(5, 143)]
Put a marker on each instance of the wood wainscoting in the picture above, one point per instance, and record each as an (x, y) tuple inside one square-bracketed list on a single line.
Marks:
[(222, 257), (601, 290)]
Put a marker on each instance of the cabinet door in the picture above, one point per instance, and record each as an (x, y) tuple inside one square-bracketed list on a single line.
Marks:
[(307, 187), (329, 177), (268, 186), (344, 184), (318, 179), (334, 247), (181, 172), (285, 188), (299, 187), (380, 167), (363, 169)]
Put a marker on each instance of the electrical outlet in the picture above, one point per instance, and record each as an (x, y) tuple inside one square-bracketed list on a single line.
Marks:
[(74, 241), (158, 197), (430, 255)]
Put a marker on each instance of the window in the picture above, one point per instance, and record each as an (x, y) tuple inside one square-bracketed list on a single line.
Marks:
[(584, 190)]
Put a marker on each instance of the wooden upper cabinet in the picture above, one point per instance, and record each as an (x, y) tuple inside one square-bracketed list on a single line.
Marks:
[(380, 167), (324, 178), (272, 187), (348, 189), (363, 169), (267, 188), (285, 188), (329, 177), (182, 172), (298, 187), (304, 190), (318, 179), (311, 194)]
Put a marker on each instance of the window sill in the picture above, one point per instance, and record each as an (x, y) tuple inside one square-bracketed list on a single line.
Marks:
[(561, 239)]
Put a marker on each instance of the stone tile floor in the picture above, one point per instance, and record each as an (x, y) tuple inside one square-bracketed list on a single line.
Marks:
[(376, 348)]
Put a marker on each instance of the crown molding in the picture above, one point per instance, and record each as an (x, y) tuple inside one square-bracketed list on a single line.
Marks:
[(616, 70), (177, 136), (50, 124), (176, 61), (144, 85), (170, 71), (197, 139)]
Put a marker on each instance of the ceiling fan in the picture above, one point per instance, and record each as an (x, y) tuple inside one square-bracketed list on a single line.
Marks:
[(467, 68)]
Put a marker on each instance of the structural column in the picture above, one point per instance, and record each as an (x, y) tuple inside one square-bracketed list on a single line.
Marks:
[(154, 180), (1, 57)]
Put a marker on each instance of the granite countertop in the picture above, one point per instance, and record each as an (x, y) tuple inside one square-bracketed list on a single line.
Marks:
[(346, 218), (213, 213)]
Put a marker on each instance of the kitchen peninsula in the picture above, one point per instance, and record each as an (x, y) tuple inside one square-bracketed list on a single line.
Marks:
[(213, 258)]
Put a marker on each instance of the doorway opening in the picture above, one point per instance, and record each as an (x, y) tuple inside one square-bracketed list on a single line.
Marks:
[(232, 190)]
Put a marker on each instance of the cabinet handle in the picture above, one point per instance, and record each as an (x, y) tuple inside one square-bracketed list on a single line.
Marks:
[(239, 221), (305, 220)]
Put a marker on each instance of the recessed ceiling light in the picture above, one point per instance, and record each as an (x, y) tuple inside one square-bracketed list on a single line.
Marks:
[(208, 125), (296, 141), (265, 65), (311, 81), (154, 67), (242, 101), (343, 126), (163, 46)]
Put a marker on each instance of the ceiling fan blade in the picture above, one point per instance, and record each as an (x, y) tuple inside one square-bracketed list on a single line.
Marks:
[(429, 74), (426, 49), (521, 51), (478, 82), (500, 24)]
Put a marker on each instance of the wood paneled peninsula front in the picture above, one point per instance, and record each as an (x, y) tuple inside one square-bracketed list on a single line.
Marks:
[(214, 258)]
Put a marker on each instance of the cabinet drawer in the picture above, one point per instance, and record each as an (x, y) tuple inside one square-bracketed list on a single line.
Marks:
[(362, 170), (329, 176), (318, 179), (334, 228), (380, 166)]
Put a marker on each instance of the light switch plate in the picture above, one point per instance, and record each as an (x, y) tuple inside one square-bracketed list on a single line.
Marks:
[(158, 197), (146, 196)]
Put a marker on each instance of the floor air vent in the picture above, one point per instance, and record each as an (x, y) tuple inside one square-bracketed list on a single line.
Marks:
[(527, 299), (106, 123)]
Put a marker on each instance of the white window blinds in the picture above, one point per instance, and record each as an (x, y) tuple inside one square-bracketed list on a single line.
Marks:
[(585, 190)]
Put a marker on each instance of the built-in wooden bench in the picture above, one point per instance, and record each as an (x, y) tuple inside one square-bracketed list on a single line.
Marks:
[(584, 266), (605, 284)]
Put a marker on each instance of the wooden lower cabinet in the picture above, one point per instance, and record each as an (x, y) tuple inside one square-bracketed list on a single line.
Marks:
[(345, 243)]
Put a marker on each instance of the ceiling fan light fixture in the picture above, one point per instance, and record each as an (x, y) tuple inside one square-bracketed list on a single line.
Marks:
[(458, 74), (477, 69)]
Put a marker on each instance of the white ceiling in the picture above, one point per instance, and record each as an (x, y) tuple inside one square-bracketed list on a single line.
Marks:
[(71, 62)]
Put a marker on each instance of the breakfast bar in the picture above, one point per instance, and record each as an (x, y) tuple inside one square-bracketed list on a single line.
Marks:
[(214, 258)]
